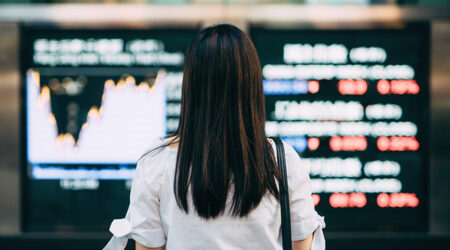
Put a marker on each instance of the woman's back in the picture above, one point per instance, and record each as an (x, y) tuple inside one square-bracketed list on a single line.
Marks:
[(157, 220)]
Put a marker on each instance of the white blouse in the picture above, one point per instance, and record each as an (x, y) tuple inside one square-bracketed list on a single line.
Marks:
[(154, 218)]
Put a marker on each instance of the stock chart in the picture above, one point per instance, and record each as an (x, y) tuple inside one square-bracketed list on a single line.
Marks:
[(354, 104), (95, 100)]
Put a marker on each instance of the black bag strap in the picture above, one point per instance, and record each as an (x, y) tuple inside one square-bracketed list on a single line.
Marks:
[(284, 199)]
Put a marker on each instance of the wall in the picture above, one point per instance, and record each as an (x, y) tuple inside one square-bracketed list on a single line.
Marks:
[(440, 128), (9, 129)]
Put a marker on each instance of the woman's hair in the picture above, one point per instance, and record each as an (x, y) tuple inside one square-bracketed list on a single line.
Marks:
[(222, 142)]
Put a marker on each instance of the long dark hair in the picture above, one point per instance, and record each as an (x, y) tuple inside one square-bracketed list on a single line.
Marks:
[(222, 142)]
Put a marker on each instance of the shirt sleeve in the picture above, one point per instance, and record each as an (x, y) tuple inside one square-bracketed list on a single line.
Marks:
[(142, 221), (304, 218)]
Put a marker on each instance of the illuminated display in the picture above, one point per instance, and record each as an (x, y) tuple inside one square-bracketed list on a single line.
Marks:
[(102, 138), (95, 100), (354, 105)]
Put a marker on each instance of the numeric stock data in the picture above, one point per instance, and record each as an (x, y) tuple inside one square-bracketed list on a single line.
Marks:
[(354, 104)]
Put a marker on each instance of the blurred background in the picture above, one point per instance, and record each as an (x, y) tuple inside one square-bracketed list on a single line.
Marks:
[(359, 88)]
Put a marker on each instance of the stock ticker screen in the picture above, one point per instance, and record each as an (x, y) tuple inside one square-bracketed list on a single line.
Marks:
[(94, 101), (354, 104)]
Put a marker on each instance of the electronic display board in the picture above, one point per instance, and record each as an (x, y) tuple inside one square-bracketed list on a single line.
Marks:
[(94, 100), (354, 103)]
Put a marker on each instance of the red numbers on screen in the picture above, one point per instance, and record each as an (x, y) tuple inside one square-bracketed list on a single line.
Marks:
[(343, 200), (359, 200), (397, 200), (348, 143), (397, 143), (313, 87), (352, 87), (313, 143), (339, 200), (383, 87), (398, 87), (316, 199)]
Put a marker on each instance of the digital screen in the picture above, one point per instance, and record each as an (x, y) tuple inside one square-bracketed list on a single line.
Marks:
[(95, 100), (354, 104)]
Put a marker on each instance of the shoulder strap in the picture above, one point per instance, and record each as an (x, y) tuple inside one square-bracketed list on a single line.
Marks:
[(284, 199)]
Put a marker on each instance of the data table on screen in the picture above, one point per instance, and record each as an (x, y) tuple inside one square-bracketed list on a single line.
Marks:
[(354, 104)]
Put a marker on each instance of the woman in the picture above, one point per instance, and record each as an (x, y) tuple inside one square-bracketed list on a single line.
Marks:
[(213, 184)]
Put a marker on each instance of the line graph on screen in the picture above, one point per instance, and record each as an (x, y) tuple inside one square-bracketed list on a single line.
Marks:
[(129, 118)]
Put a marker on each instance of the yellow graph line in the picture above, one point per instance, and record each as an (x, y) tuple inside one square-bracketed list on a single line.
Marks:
[(94, 113)]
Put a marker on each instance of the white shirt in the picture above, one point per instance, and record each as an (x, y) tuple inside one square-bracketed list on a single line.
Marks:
[(154, 218)]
